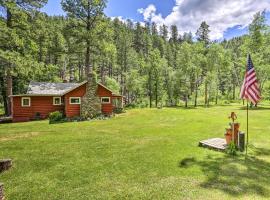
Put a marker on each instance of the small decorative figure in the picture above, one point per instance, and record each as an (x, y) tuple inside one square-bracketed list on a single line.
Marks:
[(233, 116)]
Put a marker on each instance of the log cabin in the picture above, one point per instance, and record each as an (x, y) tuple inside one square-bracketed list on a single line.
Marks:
[(42, 98)]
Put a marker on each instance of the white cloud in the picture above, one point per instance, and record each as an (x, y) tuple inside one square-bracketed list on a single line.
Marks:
[(219, 14), (120, 18), (149, 12)]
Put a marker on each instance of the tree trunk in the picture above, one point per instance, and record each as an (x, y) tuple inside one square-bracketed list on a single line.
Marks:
[(121, 81), (150, 89), (8, 73), (217, 96), (156, 88), (88, 68), (3, 92), (9, 91), (71, 73), (206, 94), (150, 100), (196, 95), (102, 74), (233, 91)]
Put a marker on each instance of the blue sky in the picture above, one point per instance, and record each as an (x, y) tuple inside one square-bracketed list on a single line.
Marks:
[(183, 13)]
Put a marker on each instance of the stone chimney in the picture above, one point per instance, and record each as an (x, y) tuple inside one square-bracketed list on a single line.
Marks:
[(91, 105)]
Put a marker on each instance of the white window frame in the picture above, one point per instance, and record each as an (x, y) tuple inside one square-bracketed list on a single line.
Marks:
[(105, 98), (23, 98), (59, 101), (70, 98)]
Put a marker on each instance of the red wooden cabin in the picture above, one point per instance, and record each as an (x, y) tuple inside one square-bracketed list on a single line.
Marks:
[(43, 98)]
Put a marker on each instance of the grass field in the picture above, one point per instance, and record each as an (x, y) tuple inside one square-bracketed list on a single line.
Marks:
[(142, 154)]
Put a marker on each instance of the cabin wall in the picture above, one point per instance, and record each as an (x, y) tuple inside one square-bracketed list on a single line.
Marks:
[(74, 110), (103, 92), (43, 105)]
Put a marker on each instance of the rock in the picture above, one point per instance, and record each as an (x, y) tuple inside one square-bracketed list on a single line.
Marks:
[(2, 191), (5, 164)]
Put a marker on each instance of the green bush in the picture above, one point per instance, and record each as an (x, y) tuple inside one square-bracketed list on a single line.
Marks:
[(231, 149), (118, 110), (56, 117)]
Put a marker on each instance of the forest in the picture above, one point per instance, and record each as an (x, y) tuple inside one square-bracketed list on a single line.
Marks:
[(152, 65)]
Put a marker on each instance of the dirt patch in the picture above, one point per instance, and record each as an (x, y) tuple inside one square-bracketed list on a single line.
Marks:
[(19, 136)]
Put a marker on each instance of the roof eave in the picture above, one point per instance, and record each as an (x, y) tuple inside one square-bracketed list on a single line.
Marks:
[(37, 95)]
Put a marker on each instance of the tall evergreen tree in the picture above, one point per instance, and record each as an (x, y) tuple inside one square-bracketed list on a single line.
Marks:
[(12, 11), (88, 13), (203, 33)]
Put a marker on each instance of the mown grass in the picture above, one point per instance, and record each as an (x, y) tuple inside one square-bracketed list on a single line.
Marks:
[(142, 154)]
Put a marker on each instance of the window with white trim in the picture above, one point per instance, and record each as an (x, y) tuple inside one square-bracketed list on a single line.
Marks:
[(26, 101), (57, 101), (105, 100), (75, 100)]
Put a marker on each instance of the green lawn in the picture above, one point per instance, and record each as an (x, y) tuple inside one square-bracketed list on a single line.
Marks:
[(136, 155)]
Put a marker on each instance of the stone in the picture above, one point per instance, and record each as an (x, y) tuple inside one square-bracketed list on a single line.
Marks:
[(91, 105), (5, 164), (2, 191)]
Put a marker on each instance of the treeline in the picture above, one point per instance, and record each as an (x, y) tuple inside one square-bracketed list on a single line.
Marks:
[(149, 64)]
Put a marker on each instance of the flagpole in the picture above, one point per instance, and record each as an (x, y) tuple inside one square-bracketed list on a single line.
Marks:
[(247, 114), (247, 129)]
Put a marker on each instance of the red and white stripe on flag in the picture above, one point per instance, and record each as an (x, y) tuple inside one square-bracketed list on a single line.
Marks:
[(250, 89)]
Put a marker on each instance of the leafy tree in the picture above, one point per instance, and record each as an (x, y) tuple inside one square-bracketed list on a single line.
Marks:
[(256, 29)]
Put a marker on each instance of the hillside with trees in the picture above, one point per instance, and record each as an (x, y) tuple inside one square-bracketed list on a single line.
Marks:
[(150, 65)]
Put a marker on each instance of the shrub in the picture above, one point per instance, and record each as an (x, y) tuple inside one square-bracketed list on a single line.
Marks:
[(231, 149), (131, 105), (77, 119), (118, 110), (55, 117)]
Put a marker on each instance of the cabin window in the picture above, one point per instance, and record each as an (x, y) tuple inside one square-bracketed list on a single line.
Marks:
[(57, 101), (75, 100), (26, 101), (105, 100)]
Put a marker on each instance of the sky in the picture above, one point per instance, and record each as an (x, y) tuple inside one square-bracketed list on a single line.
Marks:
[(227, 18)]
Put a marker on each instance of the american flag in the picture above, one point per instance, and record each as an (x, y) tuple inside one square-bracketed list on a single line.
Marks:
[(250, 89)]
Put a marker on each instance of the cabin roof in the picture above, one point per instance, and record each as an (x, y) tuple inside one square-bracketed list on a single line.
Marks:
[(54, 89), (44, 88)]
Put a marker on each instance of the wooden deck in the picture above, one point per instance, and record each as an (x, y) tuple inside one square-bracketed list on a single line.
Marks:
[(218, 144)]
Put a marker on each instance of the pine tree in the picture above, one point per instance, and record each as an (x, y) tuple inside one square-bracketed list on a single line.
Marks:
[(203, 33), (88, 13), (12, 10), (174, 34)]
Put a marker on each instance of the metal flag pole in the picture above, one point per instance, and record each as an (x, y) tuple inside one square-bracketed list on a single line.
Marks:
[(247, 112), (247, 129)]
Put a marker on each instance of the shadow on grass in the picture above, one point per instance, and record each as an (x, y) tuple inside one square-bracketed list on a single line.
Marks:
[(254, 108), (235, 175), (198, 106)]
